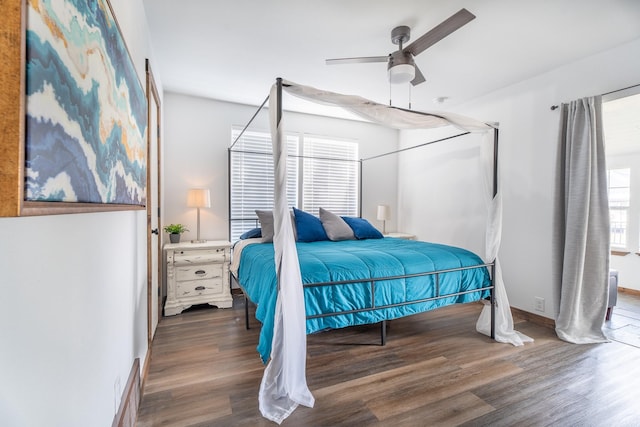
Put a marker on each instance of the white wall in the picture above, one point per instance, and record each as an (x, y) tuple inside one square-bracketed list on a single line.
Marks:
[(73, 311), (628, 266), (441, 187), (198, 133), (528, 165)]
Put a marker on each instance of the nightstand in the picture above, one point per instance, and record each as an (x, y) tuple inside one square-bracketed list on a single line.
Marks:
[(398, 235), (197, 273)]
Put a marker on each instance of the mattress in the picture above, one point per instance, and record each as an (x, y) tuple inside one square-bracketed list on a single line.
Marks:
[(359, 301)]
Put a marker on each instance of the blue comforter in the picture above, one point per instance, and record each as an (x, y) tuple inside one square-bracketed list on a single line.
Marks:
[(328, 261)]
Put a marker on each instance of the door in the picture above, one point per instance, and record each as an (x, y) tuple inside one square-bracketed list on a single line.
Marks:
[(154, 276)]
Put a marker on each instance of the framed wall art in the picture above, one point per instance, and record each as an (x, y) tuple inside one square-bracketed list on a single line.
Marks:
[(85, 129)]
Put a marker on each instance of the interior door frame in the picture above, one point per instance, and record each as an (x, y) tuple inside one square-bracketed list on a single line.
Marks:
[(152, 95)]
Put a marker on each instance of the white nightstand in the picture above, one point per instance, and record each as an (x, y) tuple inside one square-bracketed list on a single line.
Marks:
[(197, 273), (398, 235)]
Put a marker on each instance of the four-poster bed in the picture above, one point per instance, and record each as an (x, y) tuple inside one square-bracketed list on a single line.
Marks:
[(294, 297)]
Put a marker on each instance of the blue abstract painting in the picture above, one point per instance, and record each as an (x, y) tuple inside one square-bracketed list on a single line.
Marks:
[(86, 112)]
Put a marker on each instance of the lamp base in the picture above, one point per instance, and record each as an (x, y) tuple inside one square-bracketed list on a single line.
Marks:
[(198, 241)]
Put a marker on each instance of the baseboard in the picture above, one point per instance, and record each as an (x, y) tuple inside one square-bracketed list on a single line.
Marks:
[(128, 410), (634, 292), (147, 364), (145, 372), (533, 318)]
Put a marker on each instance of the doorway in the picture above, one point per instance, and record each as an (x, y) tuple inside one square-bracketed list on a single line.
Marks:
[(621, 116), (154, 264)]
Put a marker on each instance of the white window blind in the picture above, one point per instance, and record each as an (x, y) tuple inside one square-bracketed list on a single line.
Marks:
[(252, 178), (321, 172), (330, 176)]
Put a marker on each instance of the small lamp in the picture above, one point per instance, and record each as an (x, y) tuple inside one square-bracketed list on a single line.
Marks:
[(384, 213), (198, 198)]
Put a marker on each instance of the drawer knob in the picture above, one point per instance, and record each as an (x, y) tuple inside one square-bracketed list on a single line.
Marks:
[(200, 272), (200, 288)]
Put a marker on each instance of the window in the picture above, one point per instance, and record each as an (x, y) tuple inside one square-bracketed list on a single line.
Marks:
[(321, 172), (619, 200), (252, 178), (330, 176)]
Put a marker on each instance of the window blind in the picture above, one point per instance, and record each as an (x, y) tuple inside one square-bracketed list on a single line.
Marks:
[(330, 176), (321, 172), (252, 178)]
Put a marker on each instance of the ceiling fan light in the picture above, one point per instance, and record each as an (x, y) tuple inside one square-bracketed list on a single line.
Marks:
[(401, 73)]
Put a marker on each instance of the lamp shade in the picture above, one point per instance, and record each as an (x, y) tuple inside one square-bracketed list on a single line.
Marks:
[(384, 212), (199, 198)]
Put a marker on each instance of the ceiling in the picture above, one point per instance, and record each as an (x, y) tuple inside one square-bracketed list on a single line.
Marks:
[(233, 50)]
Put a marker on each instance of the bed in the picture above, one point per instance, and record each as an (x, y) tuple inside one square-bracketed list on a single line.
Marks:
[(357, 282)]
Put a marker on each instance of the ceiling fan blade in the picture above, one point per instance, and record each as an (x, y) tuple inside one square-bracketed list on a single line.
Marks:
[(357, 60), (441, 31), (419, 78)]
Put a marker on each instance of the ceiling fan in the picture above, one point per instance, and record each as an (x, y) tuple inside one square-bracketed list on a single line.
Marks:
[(400, 64)]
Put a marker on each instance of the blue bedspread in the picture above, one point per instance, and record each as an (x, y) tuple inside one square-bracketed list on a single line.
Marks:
[(327, 261)]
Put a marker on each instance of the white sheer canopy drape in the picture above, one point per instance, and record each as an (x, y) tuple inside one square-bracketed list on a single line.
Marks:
[(585, 266), (504, 331), (284, 384)]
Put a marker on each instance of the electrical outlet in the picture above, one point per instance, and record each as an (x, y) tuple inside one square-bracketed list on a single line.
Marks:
[(539, 304)]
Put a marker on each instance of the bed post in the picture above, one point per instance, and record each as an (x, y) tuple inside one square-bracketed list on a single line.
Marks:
[(278, 118), (493, 267), (278, 100), (495, 161), (360, 188), (229, 192)]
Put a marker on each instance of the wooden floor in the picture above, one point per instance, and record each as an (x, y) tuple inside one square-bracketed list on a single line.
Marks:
[(434, 371), (624, 325)]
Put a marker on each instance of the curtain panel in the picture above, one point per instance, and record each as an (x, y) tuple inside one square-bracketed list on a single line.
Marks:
[(585, 247)]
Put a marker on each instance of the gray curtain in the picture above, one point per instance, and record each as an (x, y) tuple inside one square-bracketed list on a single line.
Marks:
[(585, 266)]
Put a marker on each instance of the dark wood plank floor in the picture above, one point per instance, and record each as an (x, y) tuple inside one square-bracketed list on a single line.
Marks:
[(434, 371)]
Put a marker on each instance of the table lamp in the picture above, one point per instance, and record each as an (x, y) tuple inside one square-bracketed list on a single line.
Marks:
[(384, 213), (198, 198)]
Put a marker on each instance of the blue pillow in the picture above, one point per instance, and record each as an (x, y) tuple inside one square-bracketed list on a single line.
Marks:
[(309, 227), (251, 234), (362, 228)]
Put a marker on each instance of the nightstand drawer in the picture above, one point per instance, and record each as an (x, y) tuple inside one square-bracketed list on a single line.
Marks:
[(199, 272), (194, 288), (199, 257)]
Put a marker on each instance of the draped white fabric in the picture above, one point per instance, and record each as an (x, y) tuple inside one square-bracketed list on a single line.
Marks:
[(383, 114), (585, 266), (284, 383), (504, 331)]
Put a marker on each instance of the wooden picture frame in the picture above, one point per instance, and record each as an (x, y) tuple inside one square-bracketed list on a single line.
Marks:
[(83, 118)]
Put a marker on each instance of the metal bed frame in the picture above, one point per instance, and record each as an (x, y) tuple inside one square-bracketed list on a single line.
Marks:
[(373, 306), (373, 281)]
